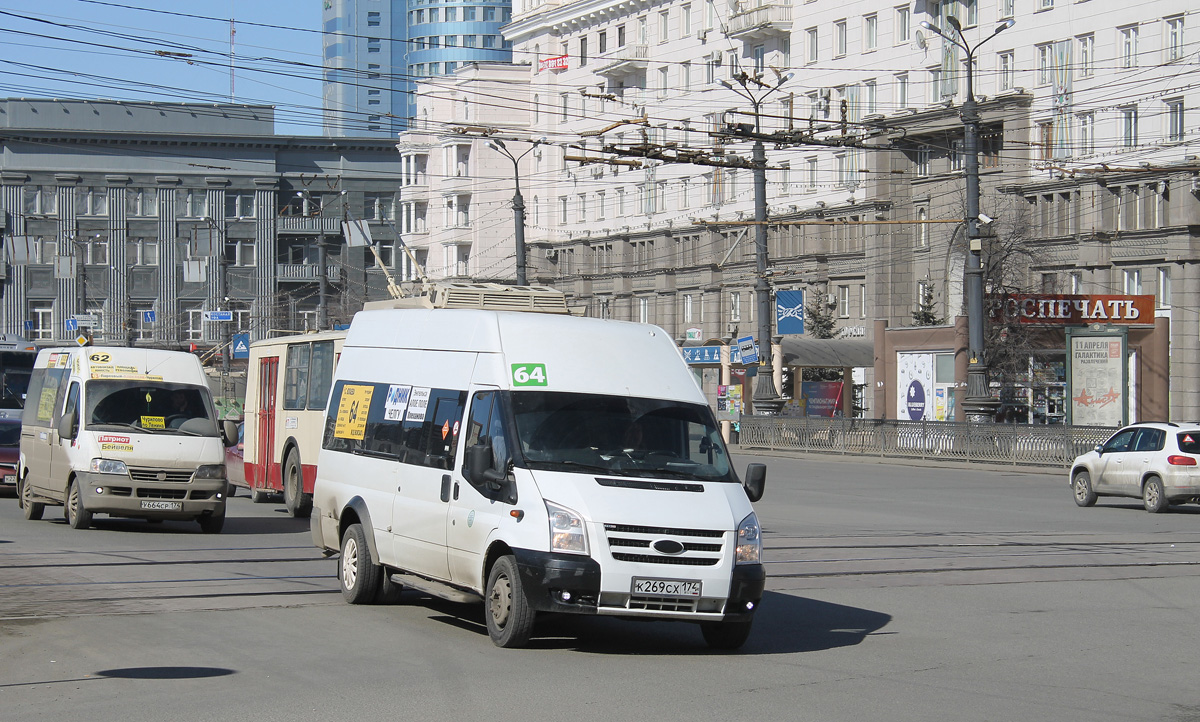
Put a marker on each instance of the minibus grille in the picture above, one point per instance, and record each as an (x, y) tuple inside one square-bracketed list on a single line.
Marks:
[(162, 493), (665, 545), (171, 476)]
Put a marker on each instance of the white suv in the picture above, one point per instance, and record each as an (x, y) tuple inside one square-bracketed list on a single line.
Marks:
[(1154, 461)]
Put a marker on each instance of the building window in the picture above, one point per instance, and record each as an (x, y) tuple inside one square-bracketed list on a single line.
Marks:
[(685, 20), (901, 31), (840, 39), (664, 26), (1087, 133), (141, 202), (372, 20), (41, 317), (1174, 43), (1132, 281), (1129, 126), (871, 31), (1128, 46), (239, 205), (1007, 8), (1006, 70), (862, 301), (644, 310), (1175, 119), (735, 306), (1086, 64), (687, 308), (922, 227), (902, 90), (923, 157), (141, 252), (813, 50), (843, 301), (1045, 67), (1163, 290), (92, 202), (191, 203)]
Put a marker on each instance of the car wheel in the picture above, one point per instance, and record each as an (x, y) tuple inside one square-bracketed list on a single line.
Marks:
[(213, 523), (77, 516), (725, 635), (1082, 484), (358, 573), (33, 509), (509, 616), (1154, 497), (299, 504)]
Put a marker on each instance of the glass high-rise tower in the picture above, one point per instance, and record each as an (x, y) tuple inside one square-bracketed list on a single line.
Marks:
[(375, 50)]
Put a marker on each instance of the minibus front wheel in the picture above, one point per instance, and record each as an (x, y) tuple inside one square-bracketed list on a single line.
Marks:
[(509, 616)]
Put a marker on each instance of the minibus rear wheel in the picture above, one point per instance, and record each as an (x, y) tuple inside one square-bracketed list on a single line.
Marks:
[(33, 509), (358, 573)]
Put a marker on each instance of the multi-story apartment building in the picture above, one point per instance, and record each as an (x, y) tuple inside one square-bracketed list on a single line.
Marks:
[(456, 192), (376, 50), (105, 208), (1086, 154)]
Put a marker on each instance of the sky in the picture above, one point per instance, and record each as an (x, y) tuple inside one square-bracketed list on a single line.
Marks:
[(167, 51)]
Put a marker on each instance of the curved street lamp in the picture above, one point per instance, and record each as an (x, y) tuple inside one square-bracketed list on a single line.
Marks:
[(766, 396), (978, 404)]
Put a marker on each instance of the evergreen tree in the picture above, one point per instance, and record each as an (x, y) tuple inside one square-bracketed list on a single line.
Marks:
[(926, 314)]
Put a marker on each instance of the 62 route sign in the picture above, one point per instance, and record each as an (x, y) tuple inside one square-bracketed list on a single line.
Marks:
[(529, 374)]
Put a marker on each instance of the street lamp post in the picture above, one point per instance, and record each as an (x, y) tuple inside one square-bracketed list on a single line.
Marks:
[(978, 404), (766, 397), (518, 204)]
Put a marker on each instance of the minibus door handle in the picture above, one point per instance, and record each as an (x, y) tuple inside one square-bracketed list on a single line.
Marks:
[(456, 491), (445, 487)]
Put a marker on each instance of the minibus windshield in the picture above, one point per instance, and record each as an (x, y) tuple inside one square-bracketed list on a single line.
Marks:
[(619, 435), (152, 407)]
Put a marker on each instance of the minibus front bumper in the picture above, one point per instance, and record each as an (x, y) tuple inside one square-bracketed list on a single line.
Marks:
[(571, 583), (122, 496)]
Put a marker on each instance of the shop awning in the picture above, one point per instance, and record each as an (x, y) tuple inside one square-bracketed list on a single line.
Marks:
[(836, 352)]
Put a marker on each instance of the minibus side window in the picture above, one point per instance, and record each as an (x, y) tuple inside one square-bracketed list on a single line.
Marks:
[(425, 441), (44, 396), (295, 378), (321, 375), (442, 427), (487, 427), (72, 402)]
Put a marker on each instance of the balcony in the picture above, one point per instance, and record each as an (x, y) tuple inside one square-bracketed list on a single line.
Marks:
[(623, 61), (306, 272), (309, 224), (760, 22)]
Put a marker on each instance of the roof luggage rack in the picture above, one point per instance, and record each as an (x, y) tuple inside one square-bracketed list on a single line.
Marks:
[(487, 296)]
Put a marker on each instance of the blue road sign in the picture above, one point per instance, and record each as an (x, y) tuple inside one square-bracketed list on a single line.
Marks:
[(147, 317), (72, 324), (748, 349), (789, 312), (241, 345), (218, 315), (29, 325)]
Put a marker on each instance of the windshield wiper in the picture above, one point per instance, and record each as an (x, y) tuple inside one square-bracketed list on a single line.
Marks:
[(575, 464)]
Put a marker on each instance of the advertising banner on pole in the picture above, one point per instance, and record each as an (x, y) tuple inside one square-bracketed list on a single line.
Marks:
[(1097, 379)]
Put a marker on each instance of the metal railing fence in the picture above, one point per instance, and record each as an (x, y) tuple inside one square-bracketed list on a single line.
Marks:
[(1014, 444)]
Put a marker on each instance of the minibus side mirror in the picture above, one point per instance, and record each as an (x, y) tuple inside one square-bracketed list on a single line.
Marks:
[(756, 481), (479, 467), (1100, 449), (228, 432), (68, 426)]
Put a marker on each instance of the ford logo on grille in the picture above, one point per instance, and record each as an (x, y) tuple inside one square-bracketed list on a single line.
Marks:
[(161, 476), (667, 546)]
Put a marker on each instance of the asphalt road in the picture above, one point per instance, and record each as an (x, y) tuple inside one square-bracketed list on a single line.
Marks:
[(894, 593)]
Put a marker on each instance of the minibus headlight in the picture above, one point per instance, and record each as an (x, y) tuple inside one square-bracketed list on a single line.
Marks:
[(749, 541), (109, 466), (211, 471), (566, 530)]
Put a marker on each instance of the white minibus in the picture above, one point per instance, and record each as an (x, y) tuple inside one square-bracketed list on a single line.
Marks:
[(538, 463)]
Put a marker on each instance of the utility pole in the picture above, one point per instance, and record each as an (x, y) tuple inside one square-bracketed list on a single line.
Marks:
[(978, 405), (767, 401)]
